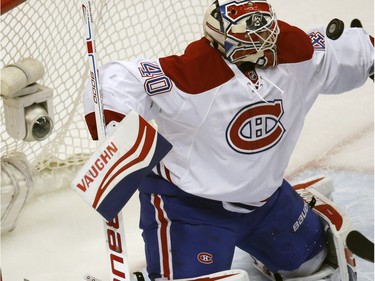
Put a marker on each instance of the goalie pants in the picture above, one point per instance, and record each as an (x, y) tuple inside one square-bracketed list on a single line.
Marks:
[(187, 236)]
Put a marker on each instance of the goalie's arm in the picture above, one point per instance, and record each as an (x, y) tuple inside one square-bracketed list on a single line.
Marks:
[(114, 171), (122, 93)]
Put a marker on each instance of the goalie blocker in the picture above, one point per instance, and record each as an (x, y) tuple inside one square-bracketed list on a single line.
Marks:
[(112, 174)]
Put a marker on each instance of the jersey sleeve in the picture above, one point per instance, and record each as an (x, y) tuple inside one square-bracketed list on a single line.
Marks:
[(337, 66), (121, 91)]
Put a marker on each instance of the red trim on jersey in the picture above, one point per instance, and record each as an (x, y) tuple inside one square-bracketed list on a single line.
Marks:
[(372, 39), (168, 174), (202, 67), (108, 115), (293, 44), (199, 69), (163, 234)]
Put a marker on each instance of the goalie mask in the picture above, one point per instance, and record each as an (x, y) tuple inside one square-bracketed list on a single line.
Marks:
[(243, 31)]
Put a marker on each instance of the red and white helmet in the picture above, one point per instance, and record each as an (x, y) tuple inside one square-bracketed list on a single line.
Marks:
[(243, 30)]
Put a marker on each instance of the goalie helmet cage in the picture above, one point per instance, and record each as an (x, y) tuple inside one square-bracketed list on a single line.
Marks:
[(53, 33)]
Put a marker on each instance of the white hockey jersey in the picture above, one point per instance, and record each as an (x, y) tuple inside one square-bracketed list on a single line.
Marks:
[(232, 132)]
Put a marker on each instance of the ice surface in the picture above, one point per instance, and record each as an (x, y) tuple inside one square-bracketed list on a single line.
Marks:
[(60, 238)]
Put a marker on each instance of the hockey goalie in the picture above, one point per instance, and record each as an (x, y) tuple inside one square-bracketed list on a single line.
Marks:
[(232, 106)]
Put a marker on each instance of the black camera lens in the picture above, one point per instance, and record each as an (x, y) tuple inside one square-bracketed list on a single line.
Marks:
[(39, 124), (42, 128)]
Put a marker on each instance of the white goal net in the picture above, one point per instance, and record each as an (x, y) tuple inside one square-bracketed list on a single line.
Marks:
[(52, 32)]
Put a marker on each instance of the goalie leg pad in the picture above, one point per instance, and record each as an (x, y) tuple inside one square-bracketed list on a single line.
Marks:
[(307, 268), (337, 226), (325, 273), (226, 275)]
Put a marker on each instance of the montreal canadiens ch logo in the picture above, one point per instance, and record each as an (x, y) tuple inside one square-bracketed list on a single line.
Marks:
[(205, 258), (256, 127)]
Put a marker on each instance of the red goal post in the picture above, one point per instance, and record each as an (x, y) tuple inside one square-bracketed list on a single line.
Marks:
[(7, 5)]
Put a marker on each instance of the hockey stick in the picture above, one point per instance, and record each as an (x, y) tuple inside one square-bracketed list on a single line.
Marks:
[(360, 245), (114, 230)]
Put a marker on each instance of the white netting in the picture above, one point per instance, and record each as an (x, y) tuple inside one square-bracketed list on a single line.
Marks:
[(53, 33)]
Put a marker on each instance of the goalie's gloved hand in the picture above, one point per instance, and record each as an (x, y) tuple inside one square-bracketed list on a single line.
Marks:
[(356, 23)]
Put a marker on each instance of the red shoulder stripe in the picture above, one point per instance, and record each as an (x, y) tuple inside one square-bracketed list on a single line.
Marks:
[(293, 44), (199, 69)]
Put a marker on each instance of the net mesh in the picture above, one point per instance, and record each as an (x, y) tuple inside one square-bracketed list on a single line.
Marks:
[(53, 33)]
